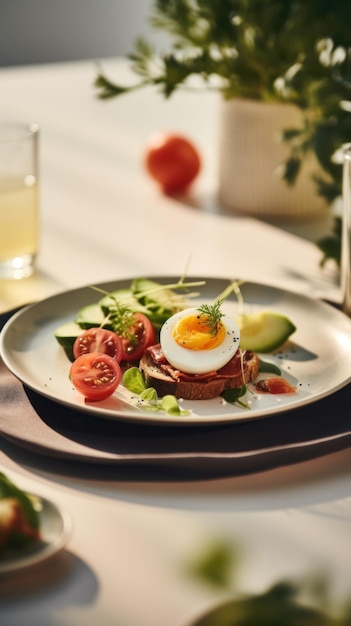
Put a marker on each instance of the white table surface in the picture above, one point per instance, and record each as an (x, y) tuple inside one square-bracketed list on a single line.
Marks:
[(104, 219)]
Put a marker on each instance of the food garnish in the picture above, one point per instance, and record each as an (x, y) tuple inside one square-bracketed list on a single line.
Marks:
[(148, 399), (272, 368), (234, 395), (19, 517), (213, 315)]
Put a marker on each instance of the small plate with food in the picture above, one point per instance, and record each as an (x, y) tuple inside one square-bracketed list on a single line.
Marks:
[(32, 528), (195, 351)]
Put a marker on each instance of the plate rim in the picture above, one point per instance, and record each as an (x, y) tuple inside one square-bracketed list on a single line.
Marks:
[(160, 418)]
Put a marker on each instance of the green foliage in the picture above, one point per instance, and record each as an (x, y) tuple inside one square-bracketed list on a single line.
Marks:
[(286, 602), (134, 381), (279, 605), (215, 564), (294, 51), (330, 245), (234, 394)]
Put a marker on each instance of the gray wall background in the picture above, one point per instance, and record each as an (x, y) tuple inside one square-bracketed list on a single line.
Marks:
[(49, 31)]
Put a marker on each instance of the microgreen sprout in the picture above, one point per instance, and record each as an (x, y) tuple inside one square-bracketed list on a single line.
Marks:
[(148, 399), (233, 287), (234, 395), (172, 286)]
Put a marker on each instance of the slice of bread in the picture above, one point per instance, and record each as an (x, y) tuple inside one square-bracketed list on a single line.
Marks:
[(167, 380)]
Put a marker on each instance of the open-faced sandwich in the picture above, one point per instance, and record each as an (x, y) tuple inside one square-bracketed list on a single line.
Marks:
[(148, 339), (198, 356)]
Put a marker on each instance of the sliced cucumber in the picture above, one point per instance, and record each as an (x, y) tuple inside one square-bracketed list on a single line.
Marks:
[(124, 297), (162, 302), (264, 331), (140, 286), (66, 335), (90, 316)]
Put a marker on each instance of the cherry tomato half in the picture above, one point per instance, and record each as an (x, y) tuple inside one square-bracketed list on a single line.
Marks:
[(98, 340), (95, 375), (143, 334), (173, 161)]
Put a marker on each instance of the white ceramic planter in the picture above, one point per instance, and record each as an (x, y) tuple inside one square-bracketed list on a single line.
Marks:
[(250, 154)]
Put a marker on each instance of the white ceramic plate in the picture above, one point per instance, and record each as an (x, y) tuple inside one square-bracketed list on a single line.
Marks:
[(56, 529), (317, 360)]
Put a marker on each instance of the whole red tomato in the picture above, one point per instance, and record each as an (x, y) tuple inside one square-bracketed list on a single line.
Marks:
[(173, 161)]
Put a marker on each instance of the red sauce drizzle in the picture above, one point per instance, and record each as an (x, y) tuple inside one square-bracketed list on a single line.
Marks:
[(274, 385)]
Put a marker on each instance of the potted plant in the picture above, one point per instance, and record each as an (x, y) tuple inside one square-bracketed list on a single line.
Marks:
[(295, 53)]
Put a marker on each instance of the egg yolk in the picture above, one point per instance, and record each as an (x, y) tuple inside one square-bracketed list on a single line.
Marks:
[(192, 332)]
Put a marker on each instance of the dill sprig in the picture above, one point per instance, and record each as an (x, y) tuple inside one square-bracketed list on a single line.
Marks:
[(122, 320), (213, 315)]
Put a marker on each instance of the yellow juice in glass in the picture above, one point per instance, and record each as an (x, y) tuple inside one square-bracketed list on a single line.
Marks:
[(18, 217)]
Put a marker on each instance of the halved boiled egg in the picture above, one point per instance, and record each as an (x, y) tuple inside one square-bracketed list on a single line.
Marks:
[(190, 345)]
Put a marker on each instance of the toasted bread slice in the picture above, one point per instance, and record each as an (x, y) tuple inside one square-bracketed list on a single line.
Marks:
[(242, 368)]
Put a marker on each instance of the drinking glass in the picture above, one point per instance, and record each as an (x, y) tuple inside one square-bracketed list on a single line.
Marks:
[(19, 199)]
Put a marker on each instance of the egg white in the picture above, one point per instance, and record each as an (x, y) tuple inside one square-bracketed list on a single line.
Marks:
[(198, 361)]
